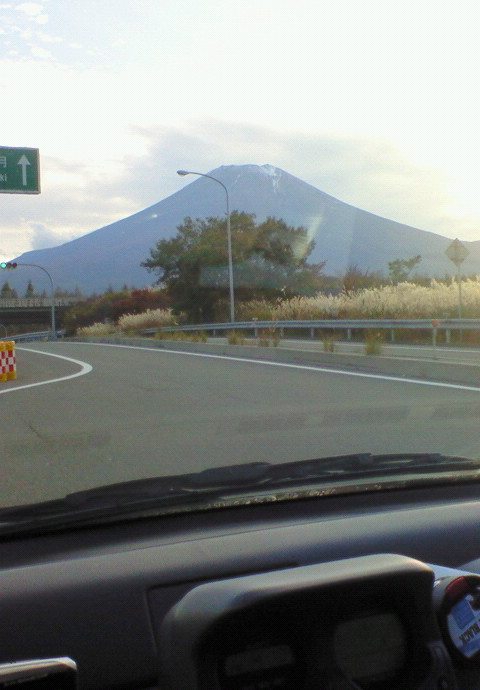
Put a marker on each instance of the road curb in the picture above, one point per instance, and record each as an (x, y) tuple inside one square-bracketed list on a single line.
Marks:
[(403, 367)]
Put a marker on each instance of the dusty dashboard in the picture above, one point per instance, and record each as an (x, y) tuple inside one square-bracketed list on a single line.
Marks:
[(278, 596), (364, 623)]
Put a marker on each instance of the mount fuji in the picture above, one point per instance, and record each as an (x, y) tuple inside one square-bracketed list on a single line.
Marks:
[(343, 234)]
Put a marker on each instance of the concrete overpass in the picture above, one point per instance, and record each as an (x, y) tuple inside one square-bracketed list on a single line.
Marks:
[(16, 311)]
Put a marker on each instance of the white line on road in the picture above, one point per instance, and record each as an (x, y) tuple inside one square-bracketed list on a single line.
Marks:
[(85, 368), (304, 367)]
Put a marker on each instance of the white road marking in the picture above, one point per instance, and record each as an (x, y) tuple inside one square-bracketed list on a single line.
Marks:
[(85, 368), (304, 367)]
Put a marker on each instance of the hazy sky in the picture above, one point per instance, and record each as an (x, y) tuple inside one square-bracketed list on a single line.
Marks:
[(376, 103)]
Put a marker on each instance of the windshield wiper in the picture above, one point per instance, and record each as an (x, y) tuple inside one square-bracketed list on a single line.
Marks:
[(221, 482), (335, 467)]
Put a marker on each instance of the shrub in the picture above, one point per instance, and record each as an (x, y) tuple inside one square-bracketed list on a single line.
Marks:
[(97, 330), (269, 336), (235, 338), (275, 337), (151, 318), (163, 335), (373, 343), (198, 337), (138, 301), (328, 343)]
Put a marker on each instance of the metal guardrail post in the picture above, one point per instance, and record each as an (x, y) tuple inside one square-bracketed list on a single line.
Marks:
[(435, 325)]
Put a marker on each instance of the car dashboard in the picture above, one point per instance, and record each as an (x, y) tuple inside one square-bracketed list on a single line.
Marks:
[(333, 592)]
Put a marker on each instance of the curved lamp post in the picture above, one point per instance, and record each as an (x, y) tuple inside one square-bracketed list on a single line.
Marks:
[(54, 331), (182, 173)]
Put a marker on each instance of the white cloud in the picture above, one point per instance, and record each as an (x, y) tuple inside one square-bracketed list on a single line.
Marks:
[(48, 38), (42, 53), (30, 9)]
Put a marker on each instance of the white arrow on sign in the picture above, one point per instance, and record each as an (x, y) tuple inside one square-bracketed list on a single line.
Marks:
[(24, 162)]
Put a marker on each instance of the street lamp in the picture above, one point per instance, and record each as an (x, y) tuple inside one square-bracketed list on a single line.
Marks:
[(182, 173), (52, 309)]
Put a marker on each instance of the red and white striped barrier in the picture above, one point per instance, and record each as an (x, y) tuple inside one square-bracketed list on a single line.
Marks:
[(8, 361)]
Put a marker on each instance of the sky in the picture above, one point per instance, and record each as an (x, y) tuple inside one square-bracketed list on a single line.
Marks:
[(375, 103)]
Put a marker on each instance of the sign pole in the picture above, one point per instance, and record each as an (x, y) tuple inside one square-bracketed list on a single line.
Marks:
[(459, 281), (435, 325), (457, 253)]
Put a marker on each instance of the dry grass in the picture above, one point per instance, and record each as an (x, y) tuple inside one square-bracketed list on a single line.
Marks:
[(405, 300), (151, 318), (97, 330), (373, 343)]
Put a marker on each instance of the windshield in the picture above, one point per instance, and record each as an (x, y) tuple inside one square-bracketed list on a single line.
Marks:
[(237, 236)]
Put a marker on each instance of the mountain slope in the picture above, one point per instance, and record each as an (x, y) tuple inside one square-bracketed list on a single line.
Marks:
[(343, 234)]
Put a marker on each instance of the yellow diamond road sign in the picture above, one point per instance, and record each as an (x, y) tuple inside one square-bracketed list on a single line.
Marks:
[(457, 252)]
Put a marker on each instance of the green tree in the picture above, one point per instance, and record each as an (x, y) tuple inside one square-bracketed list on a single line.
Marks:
[(269, 261), (30, 291), (7, 290), (356, 279), (399, 270)]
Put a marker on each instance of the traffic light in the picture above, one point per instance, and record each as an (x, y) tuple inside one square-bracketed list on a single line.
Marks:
[(8, 264)]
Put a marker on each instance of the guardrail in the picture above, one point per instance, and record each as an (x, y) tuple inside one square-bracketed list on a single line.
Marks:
[(347, 325), (30, 337)]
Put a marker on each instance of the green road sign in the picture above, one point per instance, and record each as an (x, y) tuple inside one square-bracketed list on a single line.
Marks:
[(19, 171)]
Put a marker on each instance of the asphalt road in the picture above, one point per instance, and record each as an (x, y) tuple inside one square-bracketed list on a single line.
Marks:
[(122, 413)]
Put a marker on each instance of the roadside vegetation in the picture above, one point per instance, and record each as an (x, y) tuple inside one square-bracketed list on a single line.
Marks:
[(402, 301), (372, 344), (328, 343), (273, 282), (189, 336), (269, 337), (235, 338), (130, 324), (112, 306)]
